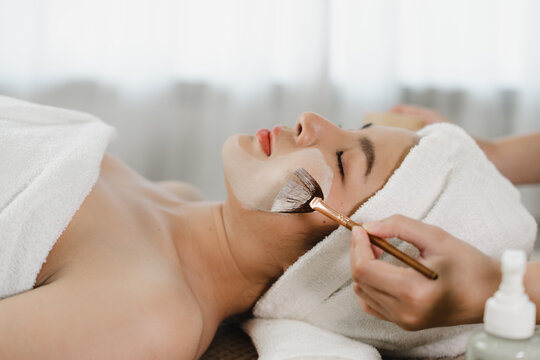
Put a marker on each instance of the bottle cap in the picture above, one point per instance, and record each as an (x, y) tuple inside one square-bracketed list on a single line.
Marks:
[(509, 313)]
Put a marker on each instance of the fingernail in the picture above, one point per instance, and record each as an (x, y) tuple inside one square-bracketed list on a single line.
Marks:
[(371, 226)]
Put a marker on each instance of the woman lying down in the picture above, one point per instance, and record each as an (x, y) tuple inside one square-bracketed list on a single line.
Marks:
[(98, 262)]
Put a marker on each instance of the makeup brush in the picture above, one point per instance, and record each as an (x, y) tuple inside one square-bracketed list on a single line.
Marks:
[(303, 194)]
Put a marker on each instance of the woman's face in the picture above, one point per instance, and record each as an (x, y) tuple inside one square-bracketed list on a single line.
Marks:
[(350, 165)]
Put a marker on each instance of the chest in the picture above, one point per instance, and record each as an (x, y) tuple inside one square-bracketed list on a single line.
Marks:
[(114, 229), (117, 241)]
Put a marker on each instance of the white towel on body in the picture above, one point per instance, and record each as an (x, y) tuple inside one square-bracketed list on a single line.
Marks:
[(445, 180), (49, 161)]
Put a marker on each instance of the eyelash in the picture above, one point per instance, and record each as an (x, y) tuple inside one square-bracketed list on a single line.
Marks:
[(340, 164)]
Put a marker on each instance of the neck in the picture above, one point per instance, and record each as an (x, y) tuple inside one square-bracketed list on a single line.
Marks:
[(226, 274)]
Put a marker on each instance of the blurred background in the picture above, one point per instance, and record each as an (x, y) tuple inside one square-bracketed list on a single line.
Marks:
[(177, 77)]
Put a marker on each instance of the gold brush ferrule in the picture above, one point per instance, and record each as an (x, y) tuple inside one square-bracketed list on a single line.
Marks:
[(319, 205)]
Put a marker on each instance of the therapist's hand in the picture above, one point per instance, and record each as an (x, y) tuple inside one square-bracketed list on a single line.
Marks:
[(467, 277), (429, 116)]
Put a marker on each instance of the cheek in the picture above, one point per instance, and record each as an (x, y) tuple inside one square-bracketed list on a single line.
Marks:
[(339, 198), (347, 198), (255, 183)]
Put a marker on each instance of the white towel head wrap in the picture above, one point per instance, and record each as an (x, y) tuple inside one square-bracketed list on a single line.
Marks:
[(445, 180)]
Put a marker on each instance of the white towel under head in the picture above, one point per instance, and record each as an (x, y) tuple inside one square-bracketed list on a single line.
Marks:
[(49, 161), (445, 180)]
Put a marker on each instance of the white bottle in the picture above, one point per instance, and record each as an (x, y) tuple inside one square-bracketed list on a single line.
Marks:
[(509, 318)]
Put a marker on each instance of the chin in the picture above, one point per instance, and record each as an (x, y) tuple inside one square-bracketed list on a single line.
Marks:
[(229, 152), (233, 158)]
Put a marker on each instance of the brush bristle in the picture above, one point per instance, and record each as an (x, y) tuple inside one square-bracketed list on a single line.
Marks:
[(295, 195)]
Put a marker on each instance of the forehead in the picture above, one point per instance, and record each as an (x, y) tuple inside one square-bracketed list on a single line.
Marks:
[(383, 146), (391, 145)]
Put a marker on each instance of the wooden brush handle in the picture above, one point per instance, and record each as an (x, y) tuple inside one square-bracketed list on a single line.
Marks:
[(320, 206)]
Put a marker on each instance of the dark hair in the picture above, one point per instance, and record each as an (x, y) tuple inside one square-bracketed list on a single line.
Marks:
[(311, 237)]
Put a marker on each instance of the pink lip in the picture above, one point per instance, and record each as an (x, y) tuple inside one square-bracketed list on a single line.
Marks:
[(267, 139), (264, 137), (273, 137)]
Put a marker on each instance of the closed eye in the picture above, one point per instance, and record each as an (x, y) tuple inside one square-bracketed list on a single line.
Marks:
[(340, 164)]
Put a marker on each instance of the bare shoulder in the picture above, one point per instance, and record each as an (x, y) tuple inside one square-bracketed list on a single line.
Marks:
[(184, 191), (113, 167), (100, 319)]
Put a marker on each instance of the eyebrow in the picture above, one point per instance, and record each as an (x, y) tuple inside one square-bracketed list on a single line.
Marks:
[(396, 166), (369, 151)]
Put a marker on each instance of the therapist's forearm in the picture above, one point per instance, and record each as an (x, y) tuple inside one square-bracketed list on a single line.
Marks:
[(516, 157)]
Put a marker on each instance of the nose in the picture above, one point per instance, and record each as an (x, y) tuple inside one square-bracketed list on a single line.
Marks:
[(309, 128)]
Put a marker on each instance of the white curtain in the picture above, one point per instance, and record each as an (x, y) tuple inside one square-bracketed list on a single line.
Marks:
[(177, 77)]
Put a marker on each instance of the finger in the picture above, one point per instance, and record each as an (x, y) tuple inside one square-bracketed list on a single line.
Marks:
[(360, 246), (410, 109), (381, 302), (371, 311), (397, 108), (361, 237), (377, 294), (369, 305), (362, 256), (385, 277), (421, 235), (377, 251)]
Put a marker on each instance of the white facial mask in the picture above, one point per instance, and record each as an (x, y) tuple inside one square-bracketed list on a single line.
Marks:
[(256, 183)]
